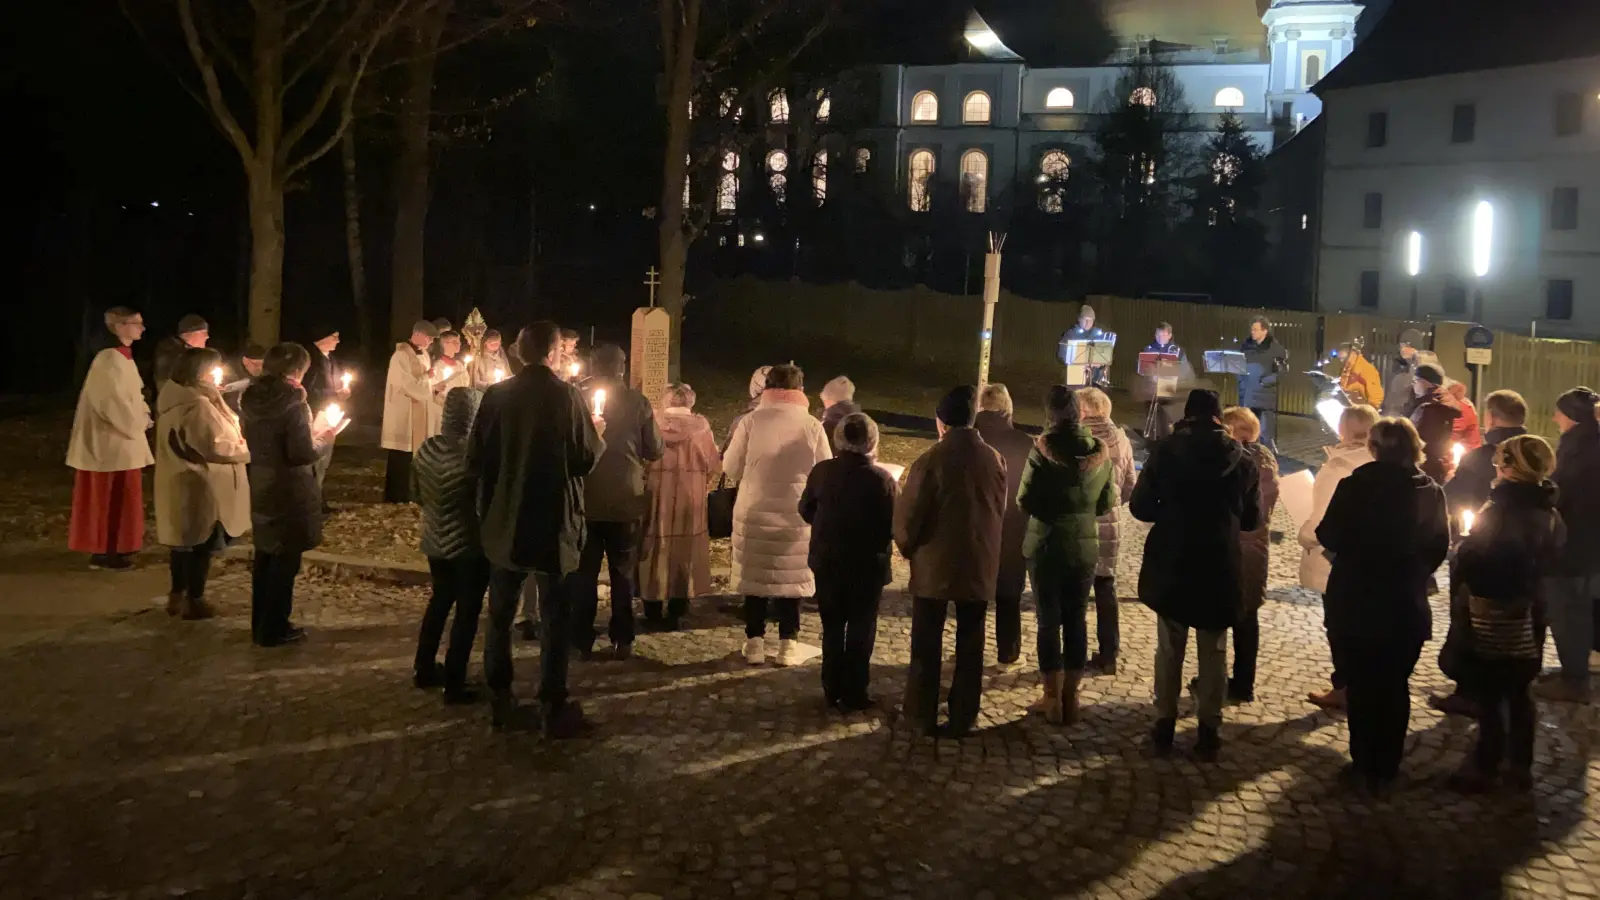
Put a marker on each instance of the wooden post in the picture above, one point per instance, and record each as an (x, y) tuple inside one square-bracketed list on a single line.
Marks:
[(991, 296)]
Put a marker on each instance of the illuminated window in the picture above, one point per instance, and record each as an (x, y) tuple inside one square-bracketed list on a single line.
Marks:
[(918, 175), (688, 161), (1229, 98), (1143, 97), (1054, 167), (975, 111), (726, 107), (824, 106), (779, 102), (691, 107), (925, 107), (1225, 169), (777, 175), (819, 176), (863, 160), (975, 180), (728, 183), (1059, 98)]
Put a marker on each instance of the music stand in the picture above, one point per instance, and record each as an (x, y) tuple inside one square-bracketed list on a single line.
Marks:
[(1084, 358), (1224, 362)]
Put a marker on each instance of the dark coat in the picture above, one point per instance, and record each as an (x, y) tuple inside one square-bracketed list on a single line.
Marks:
[(1255, 545), (615, 490), (285, 501), (1436, 425), (1497, 597), (531, 447), (849, 504), (1013, 446), (1264, 363), (1469, 487), (1398, 398), (322, 381), (1387, 530), (168, 350), (442, 486), (949, 520), (832, 416), (1199, 492), (1068, 484), (1578, 478)]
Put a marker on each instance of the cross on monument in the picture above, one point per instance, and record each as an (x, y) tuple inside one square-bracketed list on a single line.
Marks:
[(653, 279)]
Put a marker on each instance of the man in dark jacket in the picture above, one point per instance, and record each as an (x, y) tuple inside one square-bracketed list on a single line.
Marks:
[(192, 333), (1398, 398), (324, 385), (614, 496), (1435, 421), (1265, 361), (1574, 581), (838, 401), (948, 523), (1198, 491), (444, 489), (532, 445), (994, 425), (849, 503)]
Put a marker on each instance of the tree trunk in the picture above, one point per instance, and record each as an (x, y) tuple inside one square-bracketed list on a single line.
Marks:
[(266, 254), (411, 170), (679, 38), (352, 243)]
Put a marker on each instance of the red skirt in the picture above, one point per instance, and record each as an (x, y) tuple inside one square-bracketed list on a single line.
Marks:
[(107, 512)]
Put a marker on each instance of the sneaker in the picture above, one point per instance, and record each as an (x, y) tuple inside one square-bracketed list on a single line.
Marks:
[(622, 651), (1560, 691), (755, 651), (788, 653), (1207, 744), (1161, 736), (291, 635), (428, 677)]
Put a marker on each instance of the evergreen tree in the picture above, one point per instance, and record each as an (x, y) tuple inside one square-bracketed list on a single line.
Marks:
[(1226, 240)]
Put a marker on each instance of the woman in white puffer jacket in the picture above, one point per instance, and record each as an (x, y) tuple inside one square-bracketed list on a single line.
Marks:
[(770, 455)]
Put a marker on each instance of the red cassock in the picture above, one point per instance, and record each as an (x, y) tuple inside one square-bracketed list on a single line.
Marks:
[(107, 512)]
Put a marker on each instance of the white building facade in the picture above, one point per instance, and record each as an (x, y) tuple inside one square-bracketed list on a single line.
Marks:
[(1495, 172)]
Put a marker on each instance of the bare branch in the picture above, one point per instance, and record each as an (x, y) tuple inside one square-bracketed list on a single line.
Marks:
[(219, 46), (337, 44), (308, 24), (216, 104), (319, 105), (144, 37), (731, 43)]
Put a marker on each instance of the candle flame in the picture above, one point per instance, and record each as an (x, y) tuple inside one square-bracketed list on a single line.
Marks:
[(499, 375), (445, 376), (1457, 451), (466, 357), (573, 369), (600, 402), (216, 375), (347, 378), (1467, 518), (334, 415)]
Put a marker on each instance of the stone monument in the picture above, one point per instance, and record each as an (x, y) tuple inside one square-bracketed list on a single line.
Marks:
[(649, 352)]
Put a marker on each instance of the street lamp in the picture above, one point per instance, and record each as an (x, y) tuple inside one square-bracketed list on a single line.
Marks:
[(1414, 266), (1482, 252)]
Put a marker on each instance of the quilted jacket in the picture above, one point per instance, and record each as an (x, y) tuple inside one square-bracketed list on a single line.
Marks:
[(440, 483)]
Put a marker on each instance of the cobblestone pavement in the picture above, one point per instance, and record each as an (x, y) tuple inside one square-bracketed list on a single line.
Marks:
[(144, 757)]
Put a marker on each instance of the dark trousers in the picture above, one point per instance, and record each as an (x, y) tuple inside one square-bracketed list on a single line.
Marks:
[(555, 632), (1377, 676), (1269, 426), (618, 543), (927, 656), (1063, 599), (755, 616), (397, 477), (272, 578), (1107, 627), (849, 632), (190, 567), (672, 609), (457, 584), (1506, 714), (1008, 626), (1246, 647)]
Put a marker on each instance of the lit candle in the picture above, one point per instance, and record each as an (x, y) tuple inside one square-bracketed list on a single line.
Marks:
[(499, 375), (334, 415), (347, 378), (445, 375), (216, 375), (1467, 518), (600, 402), (466, 357), (573, 368), (1457, 451)]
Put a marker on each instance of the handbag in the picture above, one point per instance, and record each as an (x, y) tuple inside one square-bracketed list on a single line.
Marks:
[(719, 509)]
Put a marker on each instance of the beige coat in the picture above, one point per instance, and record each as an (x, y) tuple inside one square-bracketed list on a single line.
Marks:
[(675, 558), (1342, 460), (200, 474), (771, 455), (460, 376), (483, 366), (108, 430), (407, 394)]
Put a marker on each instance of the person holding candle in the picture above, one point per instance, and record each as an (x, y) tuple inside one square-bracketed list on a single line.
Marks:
[(202, 496), (1465, 431), (449, 372), (285, 501), (407, 394), (531, 448), (615, 500), (675, 557), (1435, 421), (324, 384), (489, 366), (571, 369), (1573, 579), (250, 364), (107, 450), (1498, 598), (193, 332)]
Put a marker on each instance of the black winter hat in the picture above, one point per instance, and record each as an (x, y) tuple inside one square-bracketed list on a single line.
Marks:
[(1431, 373), (1412, 338), (255, 351), (959, 408), (1203, 404), (1578, 404), (191, 323), (320, 330)]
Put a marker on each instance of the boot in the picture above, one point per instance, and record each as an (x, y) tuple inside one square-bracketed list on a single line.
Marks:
[(506, 715), (1069, 696), (1050, 703), (1207, 743), (196, 608), (176, 600), (1161, 736)]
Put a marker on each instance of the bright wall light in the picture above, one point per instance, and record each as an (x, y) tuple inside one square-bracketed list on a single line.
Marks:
[(1331, 412), (1482, 237), (1414, 254), (984, 40)]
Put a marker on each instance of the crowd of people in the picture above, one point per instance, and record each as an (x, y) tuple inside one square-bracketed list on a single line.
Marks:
[(530, 472)]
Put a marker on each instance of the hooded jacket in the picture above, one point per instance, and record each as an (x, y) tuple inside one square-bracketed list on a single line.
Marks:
[(833, 415), (285, 500), (1342, 461), (1013, 445), (1388, 531), (614, 491), (1435, 418), (442, 485), (1498, 568), (1068, 482), (1578, 477), (200, 458), (675, 556), (1199, 492)]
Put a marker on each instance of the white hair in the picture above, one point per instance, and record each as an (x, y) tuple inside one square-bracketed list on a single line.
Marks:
[(841, 389)]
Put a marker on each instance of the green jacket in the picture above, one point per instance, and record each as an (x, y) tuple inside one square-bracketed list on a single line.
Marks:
[(1067, 484)]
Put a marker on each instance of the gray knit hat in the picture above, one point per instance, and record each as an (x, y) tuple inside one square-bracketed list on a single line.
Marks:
[(191, 323), (856, 433), (423, 326)]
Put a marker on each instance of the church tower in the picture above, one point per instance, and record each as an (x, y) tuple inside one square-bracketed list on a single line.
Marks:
[(1306, 39)]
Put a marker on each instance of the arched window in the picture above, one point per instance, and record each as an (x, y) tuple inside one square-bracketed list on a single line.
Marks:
[(1054, 168), (975, 180), (1143, 97), (1314, 62), (918, 173), (824, 106), (863, 160), (975, 111), (1229, 98), (728, 183), (925, 107), (725, 107), (779, 101), (777, 161), (819, 176), (777, 176), (1059, 98)]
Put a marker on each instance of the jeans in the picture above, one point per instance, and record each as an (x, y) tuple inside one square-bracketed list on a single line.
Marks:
[(1246, 647), (849, 632), (272, 578), (1506, 714), (190, 566), (1008, 626), (1269, 427), (1172, 639), (1063, 600), (618, 543), (927, 656), (1107, 630), (555, 633), (1570, 607), (320, 467), (458, 584), (397, 477), (1377, 676), (755, 617)]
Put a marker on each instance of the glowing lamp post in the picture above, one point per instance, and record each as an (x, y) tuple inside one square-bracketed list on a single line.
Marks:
[(1414, 266), (1482, 252)]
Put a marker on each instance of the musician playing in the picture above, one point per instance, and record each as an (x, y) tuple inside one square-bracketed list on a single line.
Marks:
[(1158, 420), (1085, 330)]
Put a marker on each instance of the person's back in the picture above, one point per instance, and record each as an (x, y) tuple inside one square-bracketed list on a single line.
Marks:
[(957, 512), (1066, 486), (849, 502), (615, 490), (1435, 421), (1578, 477), (443, 486)]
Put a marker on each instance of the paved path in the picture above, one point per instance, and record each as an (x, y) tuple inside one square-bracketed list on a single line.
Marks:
[(143, 757)]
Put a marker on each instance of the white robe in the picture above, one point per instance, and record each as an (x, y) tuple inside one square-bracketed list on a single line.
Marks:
[(771, 455), (108, 429), (407, 393)]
